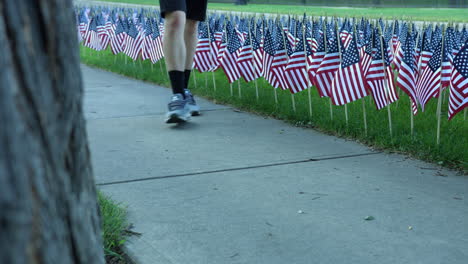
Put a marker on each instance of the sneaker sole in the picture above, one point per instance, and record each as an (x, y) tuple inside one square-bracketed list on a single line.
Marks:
[(174, 118), (194, 110)]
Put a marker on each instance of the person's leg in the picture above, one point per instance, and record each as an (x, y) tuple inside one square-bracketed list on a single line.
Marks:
[(191, 40), (174, 49), (196, 11)]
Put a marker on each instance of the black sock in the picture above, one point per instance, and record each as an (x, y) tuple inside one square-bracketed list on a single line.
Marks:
[(177, 82), (187, 77)]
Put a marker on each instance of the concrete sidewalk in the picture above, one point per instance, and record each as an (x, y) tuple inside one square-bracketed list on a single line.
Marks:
[(233, 187)]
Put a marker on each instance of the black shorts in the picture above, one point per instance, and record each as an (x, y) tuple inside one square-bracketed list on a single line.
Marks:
[(194, 9)]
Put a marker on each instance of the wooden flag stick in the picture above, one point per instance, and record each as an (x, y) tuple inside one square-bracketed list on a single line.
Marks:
[(293, 103), (214, 81), (160, 66), (364, 113), (464, 114), (387, 91), (324, 29), (211, 53), (439, 102), (254, 64), (239, 86), (412, 119), (411, 104), (338, 39), (230, 87), (307, 68), (206, 79), (276, 96), (194, 78)]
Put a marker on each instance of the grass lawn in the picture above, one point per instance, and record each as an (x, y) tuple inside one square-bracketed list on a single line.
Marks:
[(452, 151), (419, 14), (114, 227)]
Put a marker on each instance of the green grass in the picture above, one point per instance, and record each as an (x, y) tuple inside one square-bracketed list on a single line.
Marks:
[(419, 14), (114, 225), (452, 151)]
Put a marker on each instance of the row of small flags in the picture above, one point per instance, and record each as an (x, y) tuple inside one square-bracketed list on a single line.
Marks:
[(345, 59)]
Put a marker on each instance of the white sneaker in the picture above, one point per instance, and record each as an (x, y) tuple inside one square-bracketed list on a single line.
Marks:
[(178, 110), (194, 109)]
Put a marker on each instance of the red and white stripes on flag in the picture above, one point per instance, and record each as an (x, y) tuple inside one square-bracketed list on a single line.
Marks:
[(276, 75), (203, 58), (328, 67), (380, 85), (119, 39), (231, 53), (429, 81), (229, 65), (459, 83), (246, 61), (348, 84), (406, 76), (296, 71)]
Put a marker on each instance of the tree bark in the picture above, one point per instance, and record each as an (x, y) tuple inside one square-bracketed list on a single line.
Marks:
[(48, 208)]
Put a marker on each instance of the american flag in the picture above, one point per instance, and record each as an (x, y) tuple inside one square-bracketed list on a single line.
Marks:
[(91, 39), (221, 50), (219, 32), (246, 61), (447, 61), (366, 56), (257, 51), (229, 59), (459, 83), (426, 49), (280, 60), (147, 43), (387, 38), (269, 50), (119, 38), (396, 37), (214, 45), (134, 42), (316, 34), (203, 58), (296, 70), (83, 24), (157, 50), (345, 34), (348, 84), (308, 33), (380, 75), (291, 33), (407, 76), (428, 84), (398, 52), (316, 59), (330, 64)]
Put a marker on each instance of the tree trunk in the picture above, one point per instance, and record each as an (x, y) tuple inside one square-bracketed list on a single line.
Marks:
[(48, 208)]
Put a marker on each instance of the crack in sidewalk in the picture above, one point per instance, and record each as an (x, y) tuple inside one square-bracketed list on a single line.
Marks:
[(236, 169)]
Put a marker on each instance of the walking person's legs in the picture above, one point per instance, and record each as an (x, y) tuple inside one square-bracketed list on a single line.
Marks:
[(180, 41), (191, 40)]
